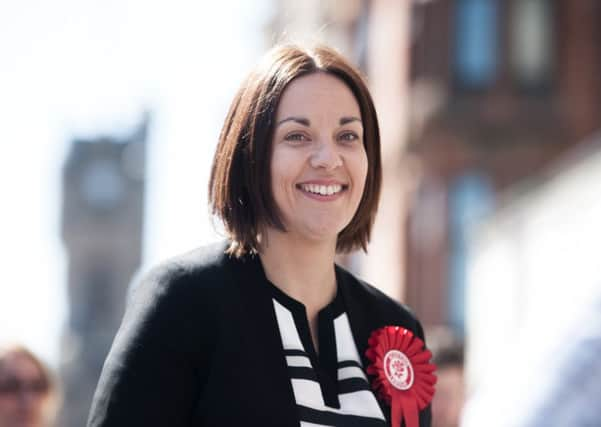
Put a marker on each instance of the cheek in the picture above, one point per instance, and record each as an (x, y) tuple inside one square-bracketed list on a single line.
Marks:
[(365, 168), (7, 404), (282, 181), (279, 192), (359, 168), (286, 165)]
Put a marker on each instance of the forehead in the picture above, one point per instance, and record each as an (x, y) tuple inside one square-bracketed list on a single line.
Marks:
[(19, 365), (318, 94)]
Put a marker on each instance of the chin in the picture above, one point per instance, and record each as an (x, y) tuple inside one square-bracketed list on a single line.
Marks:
[(323, 234)]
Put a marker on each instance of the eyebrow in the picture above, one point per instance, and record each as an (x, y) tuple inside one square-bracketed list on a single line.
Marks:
[(345, 120), (306, 122)]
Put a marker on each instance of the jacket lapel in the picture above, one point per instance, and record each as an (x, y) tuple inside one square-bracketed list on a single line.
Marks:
[(358, 317), (362, 322), (266, 341)]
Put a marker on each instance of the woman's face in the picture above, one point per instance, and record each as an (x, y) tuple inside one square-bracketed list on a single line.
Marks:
[(319, 163), (22, 392)]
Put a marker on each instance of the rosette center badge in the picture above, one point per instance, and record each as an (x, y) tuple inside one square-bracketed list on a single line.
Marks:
[(398, 370)]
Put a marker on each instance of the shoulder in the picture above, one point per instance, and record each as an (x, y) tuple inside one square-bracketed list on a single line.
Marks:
[(166, 340), (381, 308), (183, 291), (197, 272)]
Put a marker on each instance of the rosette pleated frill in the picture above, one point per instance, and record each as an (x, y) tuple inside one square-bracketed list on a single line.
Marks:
[(403, 373)]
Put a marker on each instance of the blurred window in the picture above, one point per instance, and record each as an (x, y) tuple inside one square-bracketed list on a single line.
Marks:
[(476, 43), (471, 199), (531, 42)]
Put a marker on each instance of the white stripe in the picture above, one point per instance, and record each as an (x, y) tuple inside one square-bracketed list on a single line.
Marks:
[(361, 403), (350, 372), (298, 361), (307, 393), (345, 344), (358, 403), (288, 332)]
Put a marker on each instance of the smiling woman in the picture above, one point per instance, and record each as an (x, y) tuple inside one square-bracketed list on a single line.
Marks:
[(272, 105), (265, 329), (318, 160)]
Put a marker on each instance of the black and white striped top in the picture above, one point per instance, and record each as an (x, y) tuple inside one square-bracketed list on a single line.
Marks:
[(330, 389)]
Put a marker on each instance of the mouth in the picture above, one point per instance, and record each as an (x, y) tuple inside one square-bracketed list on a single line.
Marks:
[(325, 191)]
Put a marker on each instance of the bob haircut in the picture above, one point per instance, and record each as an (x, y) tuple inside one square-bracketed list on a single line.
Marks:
[(241, 171)]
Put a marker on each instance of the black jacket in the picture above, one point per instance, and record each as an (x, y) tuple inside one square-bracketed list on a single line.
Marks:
[(193, 349)]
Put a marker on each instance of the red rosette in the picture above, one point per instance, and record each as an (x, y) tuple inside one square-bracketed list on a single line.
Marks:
[(403, 374)]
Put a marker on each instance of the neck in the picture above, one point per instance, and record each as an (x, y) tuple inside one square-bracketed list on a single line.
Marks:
[(302, 269)]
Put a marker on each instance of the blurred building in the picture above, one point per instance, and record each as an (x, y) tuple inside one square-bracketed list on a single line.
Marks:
[(500, 89), (474, 96), (102, 221)]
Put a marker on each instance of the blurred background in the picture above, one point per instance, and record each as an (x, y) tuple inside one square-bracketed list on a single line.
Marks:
[(490, 215)]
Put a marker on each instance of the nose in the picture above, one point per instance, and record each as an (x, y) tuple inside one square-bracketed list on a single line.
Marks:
[(326, 156)]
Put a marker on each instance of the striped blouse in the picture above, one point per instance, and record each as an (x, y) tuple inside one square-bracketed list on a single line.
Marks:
[(330, 388)]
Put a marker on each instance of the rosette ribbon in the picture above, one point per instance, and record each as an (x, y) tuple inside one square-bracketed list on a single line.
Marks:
[(403, 373)]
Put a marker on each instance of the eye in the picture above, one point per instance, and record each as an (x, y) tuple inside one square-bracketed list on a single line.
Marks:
[(348, 136), (296, 137)]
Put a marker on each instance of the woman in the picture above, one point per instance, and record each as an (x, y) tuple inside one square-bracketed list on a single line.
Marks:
[(264, 329), (28, 392)]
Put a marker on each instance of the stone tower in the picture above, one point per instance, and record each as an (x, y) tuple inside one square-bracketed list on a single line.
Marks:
[(102, 223)]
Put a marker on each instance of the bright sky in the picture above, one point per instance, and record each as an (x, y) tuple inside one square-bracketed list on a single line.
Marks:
[(80, 67)]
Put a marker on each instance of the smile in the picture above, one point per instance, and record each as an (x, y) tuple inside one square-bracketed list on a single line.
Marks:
[(322, 190)]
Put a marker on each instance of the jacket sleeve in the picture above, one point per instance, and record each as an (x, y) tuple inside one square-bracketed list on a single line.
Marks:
[(158, 362)]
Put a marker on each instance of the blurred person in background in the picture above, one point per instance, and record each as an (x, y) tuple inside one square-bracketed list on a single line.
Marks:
[(28, 391), (448, 402), (265, 329)]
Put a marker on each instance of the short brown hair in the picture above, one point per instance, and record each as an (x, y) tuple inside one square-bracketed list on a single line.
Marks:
[(241, 168)]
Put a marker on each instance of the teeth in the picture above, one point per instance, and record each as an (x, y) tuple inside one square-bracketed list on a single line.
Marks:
[(324, 190)]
